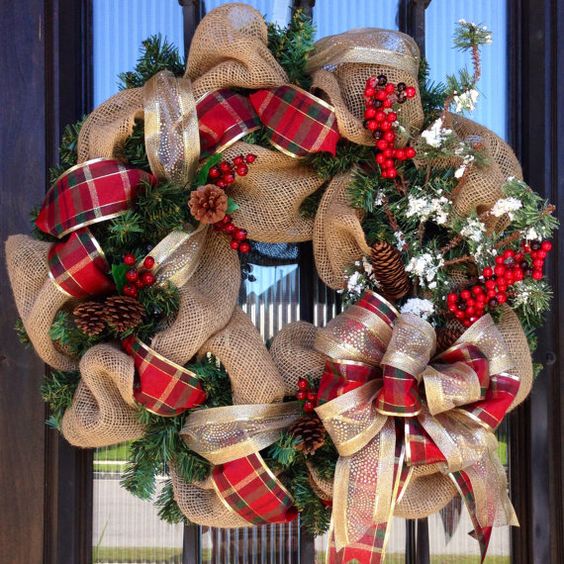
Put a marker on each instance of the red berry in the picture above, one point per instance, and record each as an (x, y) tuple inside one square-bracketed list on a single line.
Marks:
[(389, 163), (470, 311), (234, 245), (129, 259), (227, 219), (385, 126), (387, 103), (473, 319), (214, 172), (410, 152), (240, 235), (491, 294), (487, 272), (391, 117), (389, 153), (499, 270), (380, 95), (459, 314), (452, 298), (309, 406), (230, 228), (389, 136), (546, 246), (131, 275), (369, 113), (148, 278), (501, 297), (466, 323), (224, 166), (244, 247), (380, 116), (301, 395), (390, 88), (538, 264), (130, 290), (250, 158), (369, 91), (410, 91), (465, 294), (380, 158), (499, 260), (303, 384), (452, 307), (508, 253), (229, 178), (242, 170), (239, 160), (400, 154), (537, 275), (372, 125), (542, 254), (139, 283), (148, 263), (519, 257), (490, 284), (312, 396), (221, 184), (392, 172), (519, 276)]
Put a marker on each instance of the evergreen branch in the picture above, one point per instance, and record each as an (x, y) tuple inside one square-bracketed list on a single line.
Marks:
[(168, 506), (57, 390), (23, 337)]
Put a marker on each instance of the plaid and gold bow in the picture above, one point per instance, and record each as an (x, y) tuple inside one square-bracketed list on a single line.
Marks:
[(390, 406)]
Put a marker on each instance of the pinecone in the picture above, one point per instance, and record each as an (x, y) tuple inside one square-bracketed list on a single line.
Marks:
[(389, 271), (123, 312), (208, 204), (310, 433), (446, 336), (89, 318)]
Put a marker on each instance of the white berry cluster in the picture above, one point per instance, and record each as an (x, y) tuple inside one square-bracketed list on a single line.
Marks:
[(425, 267)]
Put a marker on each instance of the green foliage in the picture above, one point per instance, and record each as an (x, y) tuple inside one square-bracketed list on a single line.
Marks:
[(531, 301), (156, 54), (168, 507), (203, 172), (292, 45), (57, 390), (66, 334), (433, 94), (468, 35), (23, 337), (161, 304), (67, 150), (283, 453), (258, 137), (133, 150), (348, 155)]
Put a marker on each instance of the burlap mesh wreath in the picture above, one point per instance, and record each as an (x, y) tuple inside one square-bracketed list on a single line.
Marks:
[(230, 50)]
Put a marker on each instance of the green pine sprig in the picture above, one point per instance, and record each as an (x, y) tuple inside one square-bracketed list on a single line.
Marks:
[(57, 390)]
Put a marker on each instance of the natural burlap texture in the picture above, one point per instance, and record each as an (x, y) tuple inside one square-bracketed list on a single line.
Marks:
[(103, 410), (230, 49), (270, 196), (338, 237), (37, 297)]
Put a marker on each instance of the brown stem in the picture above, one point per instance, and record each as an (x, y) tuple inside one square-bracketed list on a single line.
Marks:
[(460, 260), (454, 243), (476, 63), (508, 240)]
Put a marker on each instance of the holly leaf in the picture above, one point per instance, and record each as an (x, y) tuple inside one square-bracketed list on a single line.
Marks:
[(232, 205), (118, 274), (202, 176)]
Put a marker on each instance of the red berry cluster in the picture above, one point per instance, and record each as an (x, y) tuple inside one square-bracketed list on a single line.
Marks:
[(239, 241), (379, 118), (138, 278), (223, 174), (307, 395), (510, 267)]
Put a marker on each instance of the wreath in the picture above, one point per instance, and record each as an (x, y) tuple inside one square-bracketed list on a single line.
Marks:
[(167, 192)]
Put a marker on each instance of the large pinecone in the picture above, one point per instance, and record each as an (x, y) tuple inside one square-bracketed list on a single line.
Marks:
[(389, 271), (208, 204), (446, 336), (309, 432), (89, 318), (123, 312)]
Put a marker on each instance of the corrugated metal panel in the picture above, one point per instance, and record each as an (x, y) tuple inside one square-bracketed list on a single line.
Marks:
[(332, 17), (118, 30), (441, 17), (274, 10)]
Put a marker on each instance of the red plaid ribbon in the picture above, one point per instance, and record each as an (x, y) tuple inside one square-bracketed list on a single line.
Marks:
[(420, 447), (248, 487), (464, 486), (87, 193), (162, 387), (298, 123), (399, 395), (78, 266), (342, 376), (223, 117), (376, 304)]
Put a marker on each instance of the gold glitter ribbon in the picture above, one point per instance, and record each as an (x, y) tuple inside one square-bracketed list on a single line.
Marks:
[(369, 46), (172, 138), (223, 434), (366, 438)]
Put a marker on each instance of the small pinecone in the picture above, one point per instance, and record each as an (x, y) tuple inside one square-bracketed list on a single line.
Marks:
[(448, 335), (208, 204), (389, 271), (310, 433), (89, 318), (123, 312)]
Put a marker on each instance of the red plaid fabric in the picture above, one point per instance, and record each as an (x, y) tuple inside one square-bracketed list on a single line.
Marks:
[(399, 395), (340, 377), (298, 123), (375, 303), (161, 386), (87, 193), (78, 267), (419, 446), (223, 117), (248, 487), (498, 399), (464, 486), (472, 356)]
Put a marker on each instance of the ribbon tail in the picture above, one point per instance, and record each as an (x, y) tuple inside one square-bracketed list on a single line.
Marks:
[(481, 534)]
